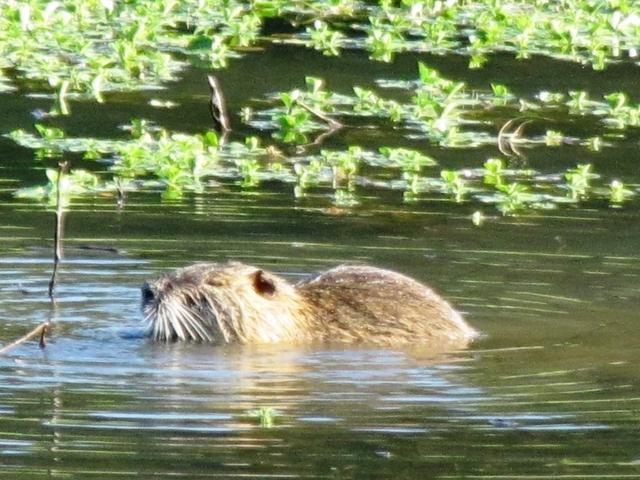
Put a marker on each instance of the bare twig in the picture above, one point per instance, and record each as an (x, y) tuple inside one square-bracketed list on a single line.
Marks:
[(334, 124), (43, 333), (39, 330), (121, 194), (508, 141), (57, 242), (318, 140)]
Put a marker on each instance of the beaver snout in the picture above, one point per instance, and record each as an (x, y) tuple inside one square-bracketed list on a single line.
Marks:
[(148, 295)]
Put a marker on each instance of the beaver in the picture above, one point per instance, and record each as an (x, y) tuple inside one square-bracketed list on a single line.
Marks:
[(237, 303)]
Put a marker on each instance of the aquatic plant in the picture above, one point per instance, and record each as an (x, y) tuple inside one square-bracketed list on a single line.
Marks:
[(553, 138), (430, 107), (323, 38), (454, 183), (77, 182), (578, 179), (49, 41), (408, 160), (265, 416), (618, 192), (493, 170), (501, 93), (513, 197), (182, 162)]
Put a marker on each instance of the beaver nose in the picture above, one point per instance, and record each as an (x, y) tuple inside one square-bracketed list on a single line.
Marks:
[(147, 294)]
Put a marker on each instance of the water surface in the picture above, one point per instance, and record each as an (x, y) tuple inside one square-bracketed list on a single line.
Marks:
[(550, 391)]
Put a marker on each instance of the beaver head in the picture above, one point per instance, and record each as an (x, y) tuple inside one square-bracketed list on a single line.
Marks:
[(222, 303)]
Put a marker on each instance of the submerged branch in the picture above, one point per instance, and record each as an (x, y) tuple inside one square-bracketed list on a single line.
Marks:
[(217, 106), (39, 330), (300, 149), (57, 239), (334, 124)]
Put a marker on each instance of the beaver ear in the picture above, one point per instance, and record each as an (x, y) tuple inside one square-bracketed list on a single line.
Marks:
[(262, 284)]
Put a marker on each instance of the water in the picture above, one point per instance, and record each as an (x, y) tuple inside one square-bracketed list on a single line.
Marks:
[(550, 391)]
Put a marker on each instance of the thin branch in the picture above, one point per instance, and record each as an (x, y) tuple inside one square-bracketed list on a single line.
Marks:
[(217, 106), (507, 142), (57, 241), (300, 149), (39, 330), (334, 124)]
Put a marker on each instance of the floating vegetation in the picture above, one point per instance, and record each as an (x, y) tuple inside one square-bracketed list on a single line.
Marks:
[(265, 416), (77, 183), (74, 49), (180, 162), (578, 179), (440, 109), (90, 47), (323, 38)]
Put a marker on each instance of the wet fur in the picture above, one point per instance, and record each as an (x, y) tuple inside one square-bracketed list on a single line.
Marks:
[(233, 302)]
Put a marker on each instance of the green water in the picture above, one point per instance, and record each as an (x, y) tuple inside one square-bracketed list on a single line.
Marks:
[(550, 391)]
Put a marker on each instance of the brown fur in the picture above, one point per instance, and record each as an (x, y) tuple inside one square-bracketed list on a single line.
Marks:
[(233, 302)]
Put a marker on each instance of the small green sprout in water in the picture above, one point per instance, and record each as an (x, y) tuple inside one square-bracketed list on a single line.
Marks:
[(316, 94), (617, 102), (493, 168), (266, 416), (325, 39), (427, 75), (249, 169), (394, 110), (477, 60), (383, 43), (407, 160), (219, 52), (550, 97), (618, 193), (49, 133), (294, 121), (454, 183), (501, 93), (307, 176), (345, 198), (252, 143), (75, 183), (578, 100), (367, 101), (138, 127), (578, 179), (595, 144), (92, 151), (513, 197), (553, 138), (50, 137), (410, 195)]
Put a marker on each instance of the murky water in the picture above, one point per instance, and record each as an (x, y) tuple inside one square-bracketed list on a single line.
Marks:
[(551, 391)]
